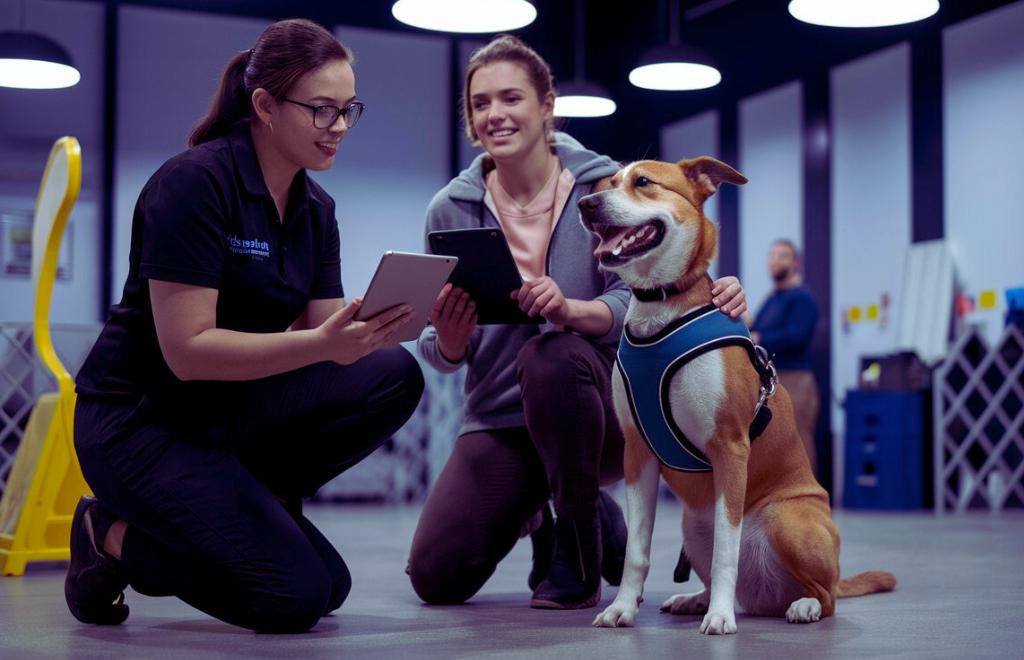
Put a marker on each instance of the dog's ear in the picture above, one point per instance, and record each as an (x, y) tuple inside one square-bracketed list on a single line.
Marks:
[(708, 173)]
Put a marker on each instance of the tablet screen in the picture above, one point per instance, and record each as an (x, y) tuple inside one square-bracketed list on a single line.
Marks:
[(404, 277), (486, 271)]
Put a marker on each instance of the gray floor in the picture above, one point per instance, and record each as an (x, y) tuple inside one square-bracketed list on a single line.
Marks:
[(961, 594)]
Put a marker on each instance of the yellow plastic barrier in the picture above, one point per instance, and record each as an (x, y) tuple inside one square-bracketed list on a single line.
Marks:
[(46, 481)]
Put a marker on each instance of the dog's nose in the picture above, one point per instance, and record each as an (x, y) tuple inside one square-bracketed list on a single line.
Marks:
[(589, 202)]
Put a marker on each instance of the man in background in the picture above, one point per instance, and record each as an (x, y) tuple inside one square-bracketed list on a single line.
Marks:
[(785, 327)]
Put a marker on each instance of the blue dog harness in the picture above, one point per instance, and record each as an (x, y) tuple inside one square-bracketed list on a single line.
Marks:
[(647, 366)]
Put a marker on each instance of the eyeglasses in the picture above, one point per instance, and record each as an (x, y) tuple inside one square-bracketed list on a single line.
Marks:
[(325, 116)]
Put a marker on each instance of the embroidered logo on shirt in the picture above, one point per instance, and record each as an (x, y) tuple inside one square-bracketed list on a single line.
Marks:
[(254, 247)]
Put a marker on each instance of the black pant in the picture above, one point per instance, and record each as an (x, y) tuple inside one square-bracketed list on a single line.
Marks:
[(496, 480), (212, 493)]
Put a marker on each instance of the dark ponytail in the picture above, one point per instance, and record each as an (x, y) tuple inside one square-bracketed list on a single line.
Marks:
[(286, 51), (230, 106)]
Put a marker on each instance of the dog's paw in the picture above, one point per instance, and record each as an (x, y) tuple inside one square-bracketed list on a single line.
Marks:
[(805, 610), (695, 603), (620, 614), (719, 623)]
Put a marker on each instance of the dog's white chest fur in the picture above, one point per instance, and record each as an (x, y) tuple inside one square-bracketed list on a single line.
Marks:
[(697, 390)]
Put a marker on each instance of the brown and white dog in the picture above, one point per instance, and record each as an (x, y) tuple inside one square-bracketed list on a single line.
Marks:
[(758, 528)]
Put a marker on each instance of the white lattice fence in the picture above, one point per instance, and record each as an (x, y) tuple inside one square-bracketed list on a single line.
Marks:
[(404, 468), (979, 417), (401, 471), (23, 378), (18, 391)]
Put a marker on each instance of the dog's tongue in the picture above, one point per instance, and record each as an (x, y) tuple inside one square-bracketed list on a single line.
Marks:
[(610, 237)]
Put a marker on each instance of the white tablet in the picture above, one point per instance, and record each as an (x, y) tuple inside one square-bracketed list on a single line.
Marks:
[(406, 278)]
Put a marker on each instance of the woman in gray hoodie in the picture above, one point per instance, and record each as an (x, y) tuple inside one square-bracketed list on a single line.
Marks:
[(538, 418)]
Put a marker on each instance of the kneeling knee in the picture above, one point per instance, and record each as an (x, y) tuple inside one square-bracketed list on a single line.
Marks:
[(339, 592), (294, 611), (426, 583), (413, 376), (436, 586), (406, 372)]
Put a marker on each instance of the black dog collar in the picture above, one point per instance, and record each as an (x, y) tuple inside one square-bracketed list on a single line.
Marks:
[(652, 295)]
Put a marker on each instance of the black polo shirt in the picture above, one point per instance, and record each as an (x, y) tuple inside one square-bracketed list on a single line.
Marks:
[(206, 218)]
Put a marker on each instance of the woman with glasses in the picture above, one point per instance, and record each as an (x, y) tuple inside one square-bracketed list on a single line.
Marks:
[(232, 379), (538, 419)]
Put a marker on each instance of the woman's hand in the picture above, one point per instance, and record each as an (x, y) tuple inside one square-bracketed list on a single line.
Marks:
[(454, 318), (542, 296), (347, 340), (728, 296)]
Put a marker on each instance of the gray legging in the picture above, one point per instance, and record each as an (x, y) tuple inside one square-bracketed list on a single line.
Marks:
[(496, 480)]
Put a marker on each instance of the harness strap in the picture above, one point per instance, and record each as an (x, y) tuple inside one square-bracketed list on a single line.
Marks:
[(759, 359)]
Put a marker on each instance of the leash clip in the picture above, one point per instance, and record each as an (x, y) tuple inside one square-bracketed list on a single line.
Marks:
[(773, 378), (769, 378), (768, 373)]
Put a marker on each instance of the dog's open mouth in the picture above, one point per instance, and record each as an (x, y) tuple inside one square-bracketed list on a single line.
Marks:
[(620, 244)]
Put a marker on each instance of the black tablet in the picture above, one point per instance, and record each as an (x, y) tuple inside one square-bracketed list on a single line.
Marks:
[(486, 271)]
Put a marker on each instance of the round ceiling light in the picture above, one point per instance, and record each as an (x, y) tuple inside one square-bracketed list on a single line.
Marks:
[(675, 68), (862, 13), (465, 16), (582, 99), (33, 61)]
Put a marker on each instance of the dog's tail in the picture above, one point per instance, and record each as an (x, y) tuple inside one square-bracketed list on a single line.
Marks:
[(868, 582)]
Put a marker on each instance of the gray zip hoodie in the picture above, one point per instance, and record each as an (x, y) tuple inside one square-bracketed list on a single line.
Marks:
[(492, 389)]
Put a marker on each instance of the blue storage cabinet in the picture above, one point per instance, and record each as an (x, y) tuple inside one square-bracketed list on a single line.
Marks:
[(884, 459)]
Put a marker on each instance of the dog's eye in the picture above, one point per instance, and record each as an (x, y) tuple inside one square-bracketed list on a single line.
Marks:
[(642, 181)]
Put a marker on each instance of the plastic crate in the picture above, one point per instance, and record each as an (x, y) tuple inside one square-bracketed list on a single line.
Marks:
[(884, 456)]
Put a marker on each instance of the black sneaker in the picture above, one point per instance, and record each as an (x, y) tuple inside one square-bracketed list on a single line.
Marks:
[(94, 588), (613, 538)]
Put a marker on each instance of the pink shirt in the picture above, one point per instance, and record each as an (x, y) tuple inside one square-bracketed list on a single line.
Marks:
[(528, 228)]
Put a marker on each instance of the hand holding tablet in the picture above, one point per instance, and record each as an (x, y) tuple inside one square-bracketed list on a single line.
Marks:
[(543, 297)]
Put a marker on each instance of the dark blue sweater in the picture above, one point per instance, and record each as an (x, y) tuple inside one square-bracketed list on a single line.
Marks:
[(786, 324)]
